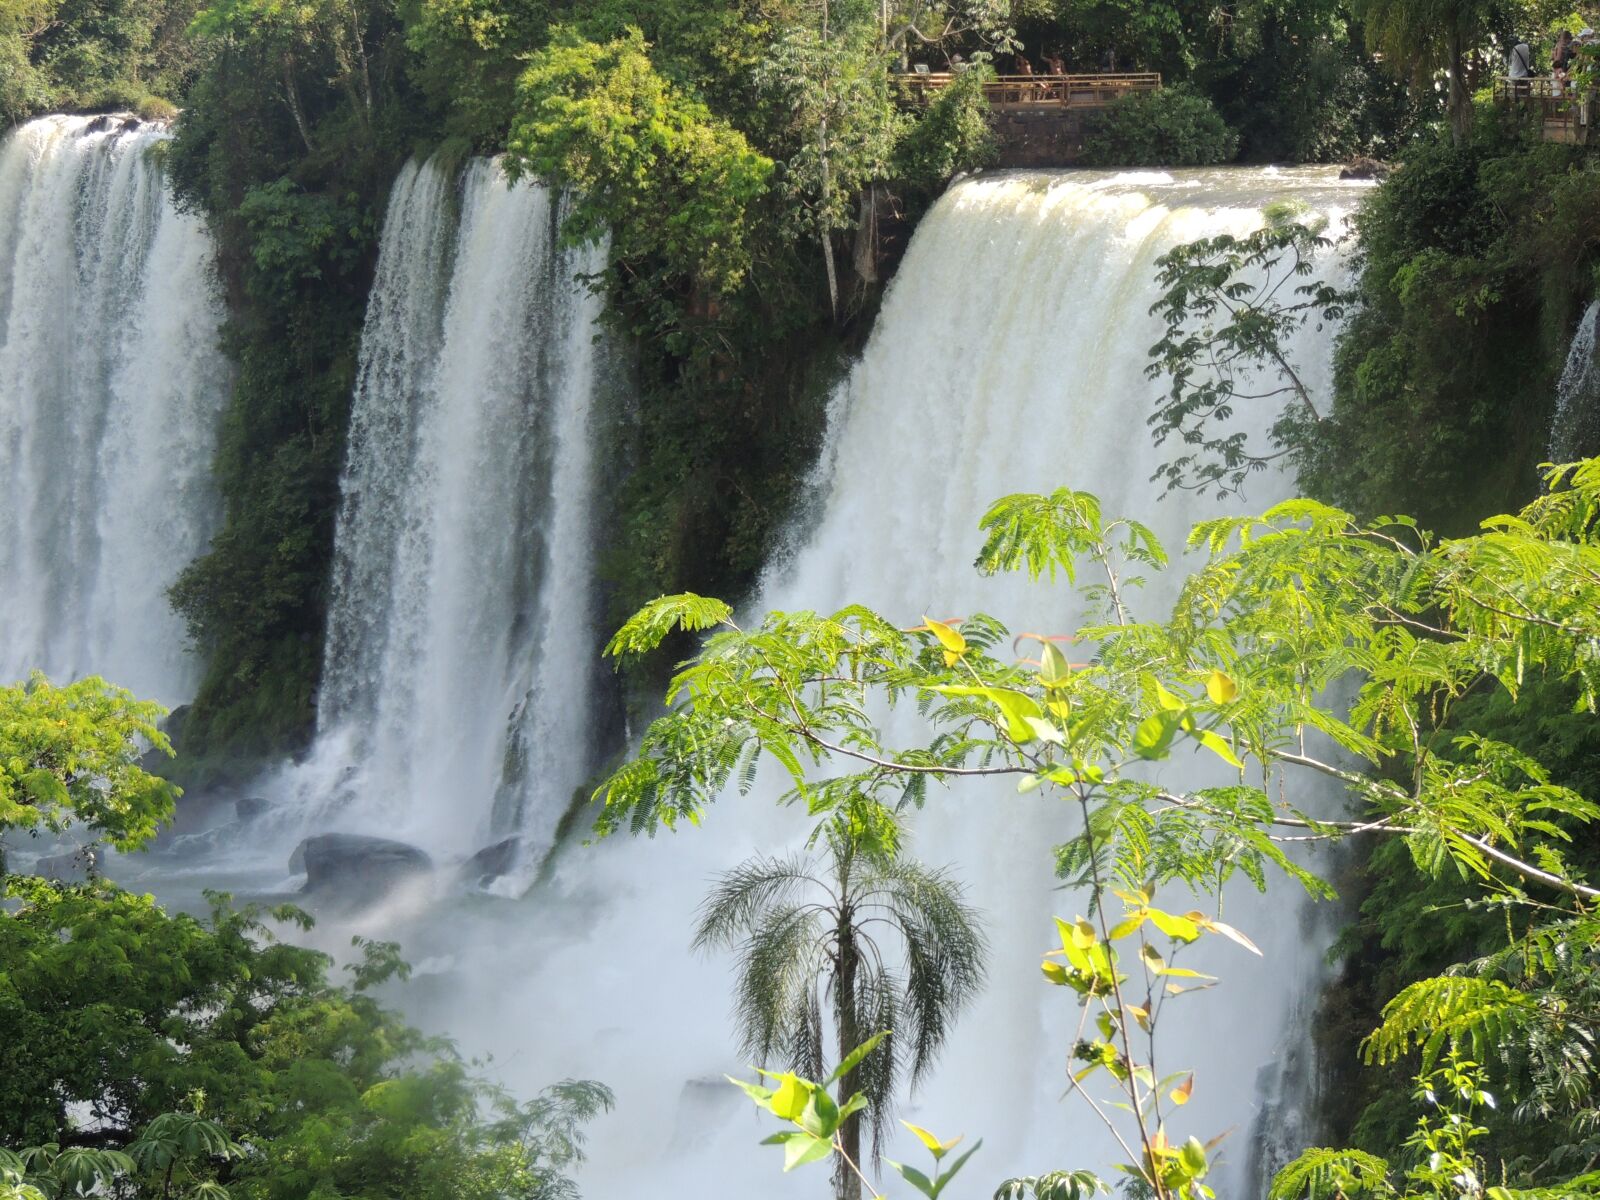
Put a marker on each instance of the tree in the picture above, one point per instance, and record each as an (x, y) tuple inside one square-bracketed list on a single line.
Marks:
[(1287, 606), (806, 944), (72, 756), (1420, 38), (114, 1015), (1229, 306), (649, 166), (830, 79)]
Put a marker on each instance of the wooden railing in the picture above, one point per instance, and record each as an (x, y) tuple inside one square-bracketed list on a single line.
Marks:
[(1563, 112), (1061, 91)]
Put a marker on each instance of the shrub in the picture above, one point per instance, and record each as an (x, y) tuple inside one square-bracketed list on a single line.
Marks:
[(1175, 127), (154, 108)]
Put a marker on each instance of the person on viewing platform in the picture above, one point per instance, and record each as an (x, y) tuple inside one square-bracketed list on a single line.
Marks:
[(1561, 56), (1519, 66), (1055, 64)]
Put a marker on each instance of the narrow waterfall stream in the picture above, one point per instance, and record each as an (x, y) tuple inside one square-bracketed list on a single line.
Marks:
[(1575, 427), (455, 698), (1009, 356), (111, 384)]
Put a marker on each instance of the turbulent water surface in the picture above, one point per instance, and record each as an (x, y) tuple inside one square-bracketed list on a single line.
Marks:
[(111, 381)]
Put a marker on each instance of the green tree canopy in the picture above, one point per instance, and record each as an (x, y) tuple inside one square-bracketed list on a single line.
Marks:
[(71, 756)]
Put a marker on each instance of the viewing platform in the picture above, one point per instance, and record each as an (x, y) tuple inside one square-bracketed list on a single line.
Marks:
[(1032, 91), (1563, 115), (1041, 120)]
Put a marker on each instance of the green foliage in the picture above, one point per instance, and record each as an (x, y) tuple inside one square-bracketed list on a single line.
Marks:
[(1057, 1185), (648, 165), (94, 54), (1286, 607), (1173, 127), (71, 756), (1229, 305), (1473, 267), (952, 136), (111, 1007), (823, 1128)]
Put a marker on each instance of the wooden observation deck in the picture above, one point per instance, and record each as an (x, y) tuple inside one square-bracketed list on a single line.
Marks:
[(1040, 120), (1033, 91), (1563, 115)]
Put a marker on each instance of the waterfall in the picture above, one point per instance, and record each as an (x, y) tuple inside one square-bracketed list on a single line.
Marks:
[(1575, 429), (1009, 355), (461, 632), (111, 380)]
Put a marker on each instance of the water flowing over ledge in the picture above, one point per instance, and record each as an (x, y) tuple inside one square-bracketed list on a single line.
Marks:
[(113, 385), (1009, 356), (461, 639)]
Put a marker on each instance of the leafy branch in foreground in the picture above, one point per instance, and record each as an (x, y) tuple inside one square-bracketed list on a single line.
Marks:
[(1288, 608), (820, 1123)]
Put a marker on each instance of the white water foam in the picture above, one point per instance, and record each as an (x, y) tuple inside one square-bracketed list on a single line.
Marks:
[(111, 382), (456, 698)]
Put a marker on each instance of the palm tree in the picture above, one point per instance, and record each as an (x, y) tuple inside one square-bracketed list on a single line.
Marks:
[(877, 941), (1425, 36)]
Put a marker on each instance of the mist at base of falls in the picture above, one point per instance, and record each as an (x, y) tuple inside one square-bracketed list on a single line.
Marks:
[(1009, 356)]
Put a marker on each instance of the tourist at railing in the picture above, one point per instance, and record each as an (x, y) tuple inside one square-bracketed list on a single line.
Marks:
[(1519, 67)]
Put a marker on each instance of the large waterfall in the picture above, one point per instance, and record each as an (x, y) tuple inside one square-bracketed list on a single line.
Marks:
[(456, 695), (111, 381), (1009, 356)]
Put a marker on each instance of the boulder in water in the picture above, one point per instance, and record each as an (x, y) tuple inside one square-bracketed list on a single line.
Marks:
[(248, 808), (356, 866), (492, 862), (1364, 168)]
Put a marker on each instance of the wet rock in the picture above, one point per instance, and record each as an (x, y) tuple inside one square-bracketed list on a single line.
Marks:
[(248, 808), (356, 867), (1364, 168), (73, 866), (492, 862)]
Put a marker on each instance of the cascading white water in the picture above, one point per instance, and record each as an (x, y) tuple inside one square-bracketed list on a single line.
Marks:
[(456, 673), (1575, 429), (1009, 356), (111, 381)]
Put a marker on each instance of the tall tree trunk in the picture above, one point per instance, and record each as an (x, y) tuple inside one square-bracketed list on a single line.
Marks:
[(1460, 98), (846, 1183), (291, 93), (827, 186)]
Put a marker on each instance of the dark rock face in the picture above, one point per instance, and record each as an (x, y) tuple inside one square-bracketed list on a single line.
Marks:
[(1364, 168), (492, 862), (73, 866), (355, 867), (248, 808)]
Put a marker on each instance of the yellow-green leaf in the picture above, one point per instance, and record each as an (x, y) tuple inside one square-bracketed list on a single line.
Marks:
[(1220, 688), (954, 644), (1220, 748), (790, 1100), (1181, 928), (938, 1148)]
